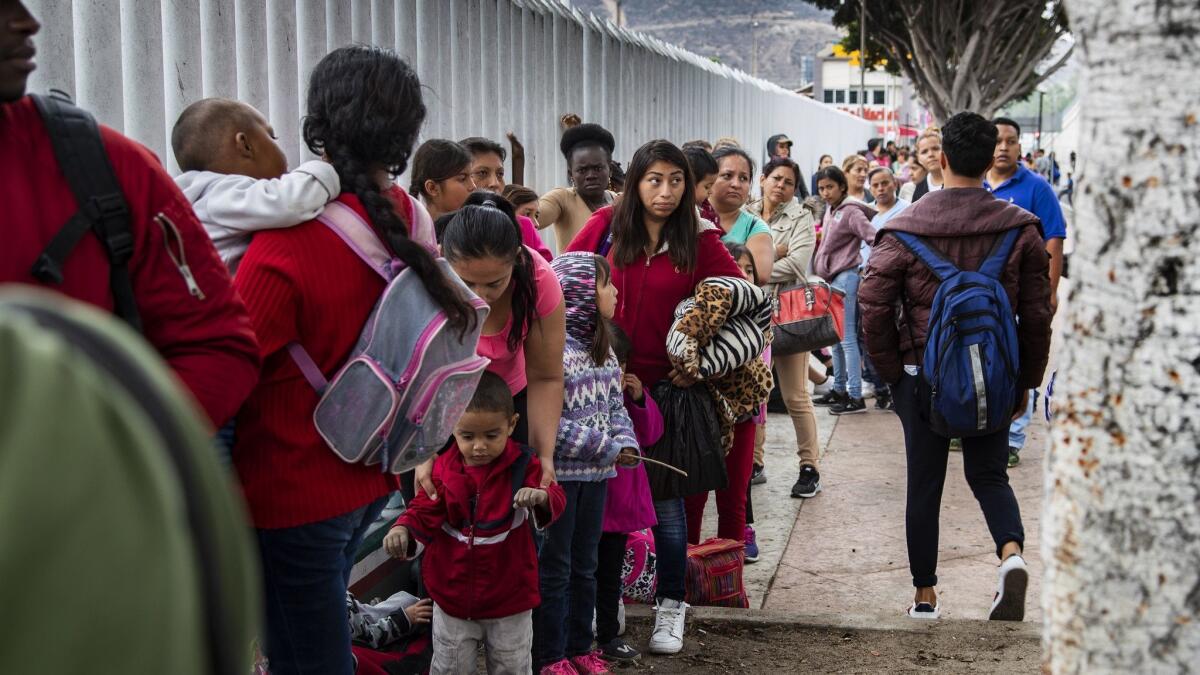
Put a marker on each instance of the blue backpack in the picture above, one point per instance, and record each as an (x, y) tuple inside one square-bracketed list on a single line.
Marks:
[(968, 384)]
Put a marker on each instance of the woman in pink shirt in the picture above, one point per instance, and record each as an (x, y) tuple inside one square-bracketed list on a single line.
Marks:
[(525, 333)]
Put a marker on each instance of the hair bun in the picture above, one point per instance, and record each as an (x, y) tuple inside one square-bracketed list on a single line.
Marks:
[(489, 203)]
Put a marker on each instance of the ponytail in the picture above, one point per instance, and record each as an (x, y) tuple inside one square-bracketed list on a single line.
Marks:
[(486, 227)]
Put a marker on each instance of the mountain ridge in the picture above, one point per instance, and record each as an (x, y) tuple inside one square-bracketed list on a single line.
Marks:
[(786, 31)]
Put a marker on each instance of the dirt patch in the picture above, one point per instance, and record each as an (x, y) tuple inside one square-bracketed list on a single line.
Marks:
[(713, 647)]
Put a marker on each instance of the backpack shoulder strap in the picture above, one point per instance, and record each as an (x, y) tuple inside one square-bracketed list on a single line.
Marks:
[(1002, 248), (937, 263), (360, 237), (79, 150)]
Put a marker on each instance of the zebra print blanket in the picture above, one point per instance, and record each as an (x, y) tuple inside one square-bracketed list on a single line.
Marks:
[(724, 326), (719, 336)]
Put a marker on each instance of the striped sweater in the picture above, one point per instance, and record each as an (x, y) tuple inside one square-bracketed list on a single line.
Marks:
[(594, 426)]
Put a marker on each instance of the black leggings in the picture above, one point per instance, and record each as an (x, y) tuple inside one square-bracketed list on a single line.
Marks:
[(609, 560), (985, 463)]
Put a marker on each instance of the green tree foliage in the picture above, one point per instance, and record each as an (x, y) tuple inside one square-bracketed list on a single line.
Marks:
[(959, 54)]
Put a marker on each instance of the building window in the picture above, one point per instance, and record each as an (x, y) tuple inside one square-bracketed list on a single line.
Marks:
[(839, 96), (829, 96), (880, 97), (853, 96)]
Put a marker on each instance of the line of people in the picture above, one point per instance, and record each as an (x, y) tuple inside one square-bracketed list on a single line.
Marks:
[(231, 266)]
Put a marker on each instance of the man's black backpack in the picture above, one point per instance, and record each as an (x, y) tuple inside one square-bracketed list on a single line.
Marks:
[(79, 149)]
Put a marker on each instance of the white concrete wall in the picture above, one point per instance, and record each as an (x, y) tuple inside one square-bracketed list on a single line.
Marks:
[(490, 66)]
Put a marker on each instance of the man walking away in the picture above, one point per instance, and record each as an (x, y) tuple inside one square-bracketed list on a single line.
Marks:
[(1015, 184), (957, 230)]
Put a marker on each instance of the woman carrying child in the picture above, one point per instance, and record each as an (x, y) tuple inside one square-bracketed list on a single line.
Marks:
[(593, 431), (659, 253), (305, 285)]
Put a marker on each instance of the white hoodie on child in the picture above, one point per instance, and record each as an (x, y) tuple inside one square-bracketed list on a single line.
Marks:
[(232, 207)]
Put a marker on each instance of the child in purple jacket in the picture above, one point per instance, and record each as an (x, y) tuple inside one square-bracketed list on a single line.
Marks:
[(629, 508)]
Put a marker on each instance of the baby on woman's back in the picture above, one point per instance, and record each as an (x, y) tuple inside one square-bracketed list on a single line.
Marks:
[(235, 175)]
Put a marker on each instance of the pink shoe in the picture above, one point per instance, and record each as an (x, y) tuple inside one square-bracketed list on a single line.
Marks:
[(590, 664), (562, 667)]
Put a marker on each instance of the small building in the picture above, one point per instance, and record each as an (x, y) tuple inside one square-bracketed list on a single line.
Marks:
[(890, 101)]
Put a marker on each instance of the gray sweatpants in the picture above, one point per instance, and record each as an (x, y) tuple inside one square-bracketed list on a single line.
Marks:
[(507, 642)]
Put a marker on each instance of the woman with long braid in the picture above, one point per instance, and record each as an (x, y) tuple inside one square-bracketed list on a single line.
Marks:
[(303, 284)]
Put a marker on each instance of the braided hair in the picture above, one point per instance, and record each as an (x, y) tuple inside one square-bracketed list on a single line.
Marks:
[(364, 113)]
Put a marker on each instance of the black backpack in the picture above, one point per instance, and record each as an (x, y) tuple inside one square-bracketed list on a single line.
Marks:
[(79, 149)]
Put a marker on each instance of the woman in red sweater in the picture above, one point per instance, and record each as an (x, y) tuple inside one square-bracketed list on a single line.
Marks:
[(305, 285), (660, 251)]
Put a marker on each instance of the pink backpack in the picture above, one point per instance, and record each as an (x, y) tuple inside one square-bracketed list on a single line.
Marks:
[(410, 376), (638, 573)]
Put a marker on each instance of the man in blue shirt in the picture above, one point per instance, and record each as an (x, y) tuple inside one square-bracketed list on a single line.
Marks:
[(1009, 180)]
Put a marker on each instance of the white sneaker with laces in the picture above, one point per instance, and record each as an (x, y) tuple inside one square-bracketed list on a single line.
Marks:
[(669, 619), (1009, 603)]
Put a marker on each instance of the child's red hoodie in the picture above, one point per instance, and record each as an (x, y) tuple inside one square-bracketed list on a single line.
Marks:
[(480, 561)]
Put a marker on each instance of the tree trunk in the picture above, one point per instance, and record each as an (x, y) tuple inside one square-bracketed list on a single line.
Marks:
[(1122, 522)]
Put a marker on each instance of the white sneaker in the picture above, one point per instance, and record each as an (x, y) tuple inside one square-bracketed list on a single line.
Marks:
[(669, 619), (924, 610), (1009, 603), (620, 617)]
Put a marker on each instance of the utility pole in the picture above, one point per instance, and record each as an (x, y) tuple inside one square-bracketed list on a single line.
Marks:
[(862, 60), (754, 55), (1041, 97)]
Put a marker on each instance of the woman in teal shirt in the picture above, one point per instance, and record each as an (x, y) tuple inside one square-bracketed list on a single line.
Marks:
[(729, 195)]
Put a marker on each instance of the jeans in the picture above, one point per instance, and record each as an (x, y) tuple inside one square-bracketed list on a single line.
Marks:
[(306, 570), (731, 501), (505, 643), (568, 573), (847, 366), (985, 463), (1016, 431), (670, 548), (610, 558)]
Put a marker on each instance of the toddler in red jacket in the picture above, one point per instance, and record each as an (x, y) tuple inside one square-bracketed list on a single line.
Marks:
[(480, 564)]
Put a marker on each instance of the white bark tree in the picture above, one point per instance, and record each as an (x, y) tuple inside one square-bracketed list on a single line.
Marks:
[(1121, 532)]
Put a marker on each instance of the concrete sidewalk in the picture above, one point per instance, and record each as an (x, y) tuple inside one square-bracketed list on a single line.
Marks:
[(847, 555), (775, 511)]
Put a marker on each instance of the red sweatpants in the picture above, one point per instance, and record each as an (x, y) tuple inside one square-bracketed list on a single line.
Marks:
[(731, 502)]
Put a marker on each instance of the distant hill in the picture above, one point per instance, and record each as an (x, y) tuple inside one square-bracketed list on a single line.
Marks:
[(725, 29)]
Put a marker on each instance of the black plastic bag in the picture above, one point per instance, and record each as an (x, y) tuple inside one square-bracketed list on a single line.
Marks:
[(691, 441)]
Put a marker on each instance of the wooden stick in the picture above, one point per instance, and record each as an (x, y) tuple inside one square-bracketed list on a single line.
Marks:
[(664, 465)]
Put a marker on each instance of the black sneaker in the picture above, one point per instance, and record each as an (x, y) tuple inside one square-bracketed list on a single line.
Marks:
[(883, 400), (808, 484), (758, 475), (618, 650), (849, 407), (831, 398)]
